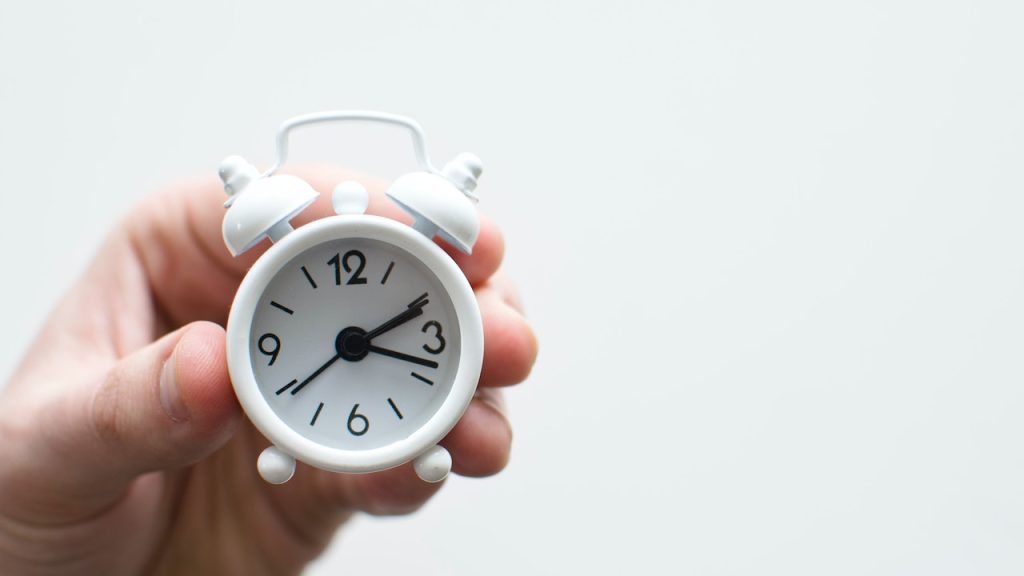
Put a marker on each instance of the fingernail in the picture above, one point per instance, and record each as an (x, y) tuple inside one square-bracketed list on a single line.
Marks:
[(170, 394)]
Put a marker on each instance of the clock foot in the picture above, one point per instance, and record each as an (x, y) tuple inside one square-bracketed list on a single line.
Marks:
[(275, 466), (433, 465)]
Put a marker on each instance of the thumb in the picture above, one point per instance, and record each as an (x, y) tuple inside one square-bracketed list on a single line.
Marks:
[(165, 406)]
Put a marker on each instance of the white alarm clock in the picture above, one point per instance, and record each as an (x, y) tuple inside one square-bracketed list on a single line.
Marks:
[(354, 344)]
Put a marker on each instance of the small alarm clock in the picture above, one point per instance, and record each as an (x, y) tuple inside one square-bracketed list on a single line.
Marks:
[(354, 344)]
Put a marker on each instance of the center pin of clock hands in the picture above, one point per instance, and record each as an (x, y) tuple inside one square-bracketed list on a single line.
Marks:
[(353, 343)]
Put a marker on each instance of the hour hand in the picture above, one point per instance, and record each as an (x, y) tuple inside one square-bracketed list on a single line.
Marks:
[(402, 356), (413, 310)]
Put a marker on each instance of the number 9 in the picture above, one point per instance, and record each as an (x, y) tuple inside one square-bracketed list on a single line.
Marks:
[(272, 352)]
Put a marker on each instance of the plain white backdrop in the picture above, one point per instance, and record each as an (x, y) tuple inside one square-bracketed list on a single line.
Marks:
[(773, 251)]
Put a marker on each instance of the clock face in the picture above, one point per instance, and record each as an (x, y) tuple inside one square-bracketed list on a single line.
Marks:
[(354, 344)]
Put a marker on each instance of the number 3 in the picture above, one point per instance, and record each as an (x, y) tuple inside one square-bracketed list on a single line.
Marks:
[(437, 334)]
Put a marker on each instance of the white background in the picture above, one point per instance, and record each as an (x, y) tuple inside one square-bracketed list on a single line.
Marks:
[(773, 251)]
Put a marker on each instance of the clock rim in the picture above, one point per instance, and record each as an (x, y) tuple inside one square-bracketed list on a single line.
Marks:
[(239, 354)]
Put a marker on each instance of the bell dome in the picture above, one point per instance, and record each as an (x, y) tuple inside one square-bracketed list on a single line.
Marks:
[(442, 204), (258, 206)]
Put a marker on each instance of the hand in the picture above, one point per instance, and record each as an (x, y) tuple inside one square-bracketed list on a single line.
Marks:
[(124, 450)]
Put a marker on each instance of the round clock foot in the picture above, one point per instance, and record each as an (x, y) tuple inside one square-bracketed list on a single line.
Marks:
[(275, 466), (433, 465)]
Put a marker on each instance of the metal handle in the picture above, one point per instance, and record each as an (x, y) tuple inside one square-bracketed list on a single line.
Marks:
[(419, 145)]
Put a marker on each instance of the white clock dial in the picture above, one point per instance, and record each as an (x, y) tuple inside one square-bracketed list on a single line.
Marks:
[(354, 344)]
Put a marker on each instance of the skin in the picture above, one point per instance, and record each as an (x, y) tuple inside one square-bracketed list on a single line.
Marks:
[(101, 474)]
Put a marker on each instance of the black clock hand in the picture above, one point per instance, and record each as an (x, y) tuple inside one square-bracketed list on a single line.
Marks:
[(353, 344), (400, 356), (414, 310), (318, 372)]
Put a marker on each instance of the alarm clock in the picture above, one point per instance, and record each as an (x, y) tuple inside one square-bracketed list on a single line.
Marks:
[(354, 343)]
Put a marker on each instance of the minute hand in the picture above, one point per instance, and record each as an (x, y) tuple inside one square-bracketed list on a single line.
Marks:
[(414, 310)]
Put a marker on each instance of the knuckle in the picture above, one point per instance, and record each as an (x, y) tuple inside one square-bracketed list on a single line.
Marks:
[(393, 494), (106, 413)]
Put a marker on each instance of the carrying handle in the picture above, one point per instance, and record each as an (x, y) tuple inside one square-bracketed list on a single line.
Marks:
[(418, 142)]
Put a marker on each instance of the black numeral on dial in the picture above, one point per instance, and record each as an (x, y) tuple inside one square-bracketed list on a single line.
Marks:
[(270, 345), (440, 342), (357, 423), (345, 262)]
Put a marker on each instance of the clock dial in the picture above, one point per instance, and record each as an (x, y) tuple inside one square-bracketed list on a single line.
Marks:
[(354, 343)]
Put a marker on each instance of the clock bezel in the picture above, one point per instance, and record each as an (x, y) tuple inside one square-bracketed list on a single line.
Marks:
[(246, 386)]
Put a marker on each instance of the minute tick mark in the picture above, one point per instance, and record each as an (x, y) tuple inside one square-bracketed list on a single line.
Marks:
[(282, 307), (395, 408), (316, 414), (285, 387), (309, 277), (387, 273), (422, 378)]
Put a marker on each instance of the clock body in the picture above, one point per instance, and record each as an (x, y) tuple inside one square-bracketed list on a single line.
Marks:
[(316, 363)]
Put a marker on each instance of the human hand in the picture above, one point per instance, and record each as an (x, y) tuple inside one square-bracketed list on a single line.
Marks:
[(123, 449)]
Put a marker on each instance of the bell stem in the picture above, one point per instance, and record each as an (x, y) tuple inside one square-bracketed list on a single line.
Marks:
[(280, 230), (425, 227)]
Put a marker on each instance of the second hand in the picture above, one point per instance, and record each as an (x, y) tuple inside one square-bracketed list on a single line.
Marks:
[(318, 372)]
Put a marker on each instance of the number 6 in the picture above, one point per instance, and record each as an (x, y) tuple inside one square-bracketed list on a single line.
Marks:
[(353, 416)]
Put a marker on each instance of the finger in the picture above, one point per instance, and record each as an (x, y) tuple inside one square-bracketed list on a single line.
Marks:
[(510, 345), (487, 253), (177, 234), (481, 442), (507, 290), (166, 405), (386, 493)]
